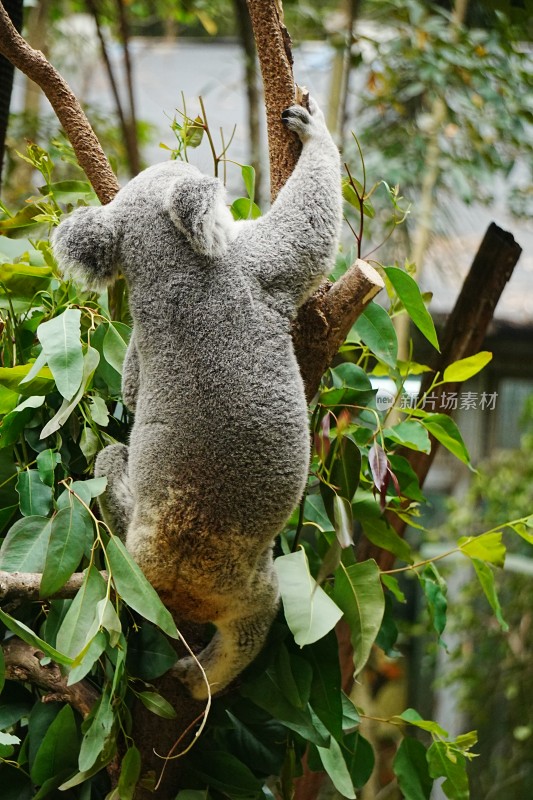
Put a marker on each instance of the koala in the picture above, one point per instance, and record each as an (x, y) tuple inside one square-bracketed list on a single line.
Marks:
[(219, 450)]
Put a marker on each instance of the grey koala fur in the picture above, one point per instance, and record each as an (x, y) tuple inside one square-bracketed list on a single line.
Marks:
[(219, 450)]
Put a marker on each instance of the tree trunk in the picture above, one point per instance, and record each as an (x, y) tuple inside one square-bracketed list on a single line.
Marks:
[(463, 336), (14, 10), (253, 94)]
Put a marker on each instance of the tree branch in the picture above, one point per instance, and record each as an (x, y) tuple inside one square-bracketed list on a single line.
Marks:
[(88, 150), (26, 585), (324, 322), (273, 45), (463, 335), (22, 663)]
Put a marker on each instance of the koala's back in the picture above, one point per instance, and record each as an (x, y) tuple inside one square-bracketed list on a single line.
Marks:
[(220, 438)]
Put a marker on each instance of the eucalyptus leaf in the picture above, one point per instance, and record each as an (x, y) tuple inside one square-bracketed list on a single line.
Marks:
[(309, 612), (407, 290), (358, 592), (65, 549), (61, 343)]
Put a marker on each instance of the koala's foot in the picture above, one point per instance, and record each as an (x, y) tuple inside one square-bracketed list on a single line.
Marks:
[(303, 122), (237, 641), (116, 504), (189, 673)]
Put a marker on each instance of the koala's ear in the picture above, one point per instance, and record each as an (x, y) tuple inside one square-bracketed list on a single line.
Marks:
[(86, 247), (196, 206)]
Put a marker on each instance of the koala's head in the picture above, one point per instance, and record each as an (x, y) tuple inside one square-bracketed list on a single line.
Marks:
[(88, 243)]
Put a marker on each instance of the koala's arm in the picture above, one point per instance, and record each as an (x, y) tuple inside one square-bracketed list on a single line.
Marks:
[(293, 246), (131, 375)]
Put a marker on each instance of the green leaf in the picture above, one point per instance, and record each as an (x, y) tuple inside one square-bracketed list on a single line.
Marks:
[(342, 514), (248, 176), (309, 612), (485, 576), (253, 744), (453, 769), (358, 592), (268, 692), (325, 695), (15, 702), (413, 718), (59, 748), (98, 735), (61, 343), (130, 772), (115, 344), (35, 497), (522, 531), (411, 434), (244, 208), (106, 618), (99, 411), (407, 290), (435, 590), (2, 670), (47, 460), (157, 704), (65, 549), (343, 467), (223, 771), (24, 280), (315, 513), (73, 635), (135, 590), (24, 548), (375, 329), (335, 765), (90, 362), (486, 547), (14, 423), (150, 654), (379, 532), (393, 586), (85, 660), (24, 381), (293, 674), (466, 368), (359, 757), (8, 400), (411, 768), (444, 429), (28, 636)]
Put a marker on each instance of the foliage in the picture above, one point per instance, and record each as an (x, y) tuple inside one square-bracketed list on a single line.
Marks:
[(62, 351), (487, 128), (494, 672)]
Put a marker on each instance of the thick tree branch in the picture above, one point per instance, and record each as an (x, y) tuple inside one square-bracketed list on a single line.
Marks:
[(88, 150), (463, 336), (325, 320), (22, 663), (26, 585)]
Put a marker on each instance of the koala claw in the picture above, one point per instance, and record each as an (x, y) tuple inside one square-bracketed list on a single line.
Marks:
[(188, 672), (302, 121)]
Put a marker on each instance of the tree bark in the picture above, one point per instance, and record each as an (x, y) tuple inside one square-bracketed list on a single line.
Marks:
[(244, 25), (463, 335), (69, 112), (273, 45), (22, 663), (14, 11)]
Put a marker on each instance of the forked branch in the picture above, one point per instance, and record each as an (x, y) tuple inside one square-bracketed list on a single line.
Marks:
[(88, 150)]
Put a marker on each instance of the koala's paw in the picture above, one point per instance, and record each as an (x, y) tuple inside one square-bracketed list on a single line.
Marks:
[(188, 672), (303, 122)]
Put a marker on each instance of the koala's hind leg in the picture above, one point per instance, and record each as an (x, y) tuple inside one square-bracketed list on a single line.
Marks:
[(239, 637), (116, 504)]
